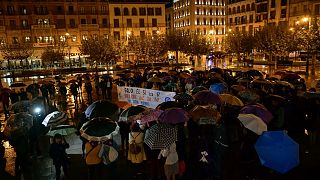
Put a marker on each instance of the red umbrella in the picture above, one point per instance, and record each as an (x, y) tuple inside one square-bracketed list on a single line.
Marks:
[(5, 90), (174, 116)]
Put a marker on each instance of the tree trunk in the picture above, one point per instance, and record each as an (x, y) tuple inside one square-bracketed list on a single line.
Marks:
[(313, 64), (177, 58)]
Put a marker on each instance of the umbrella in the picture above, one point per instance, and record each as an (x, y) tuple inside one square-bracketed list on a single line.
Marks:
[(290, 77), (218, 88), (206, 97), (155, 79), (62, 84), (245, 80), (253, 123), (216, 70), (276, 150), (231, 100), (167, 78), (185, 75), (149, 116), (205, 115), (45, 82), (129, 113), (21, 106), (72, 81), (169, 104), (254, 73), (7, 90), (238, 88), (157, 68), (261, 81), (285, 84), (160, 136), (19, 120), (249, 96), (64, 130), (99, 129), (258, 110), (32, 87), (190, 80), (197, 89), (147, 69), (183, 97), (18, 84), (172, 72), (174, 116), (55, 118), (101, 108), (280, 73)]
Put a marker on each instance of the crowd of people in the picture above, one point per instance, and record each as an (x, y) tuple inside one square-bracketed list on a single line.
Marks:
[(202, 150)]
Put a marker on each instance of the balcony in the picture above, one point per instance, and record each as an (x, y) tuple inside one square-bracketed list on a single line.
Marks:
[(43, 27), (89, 26)]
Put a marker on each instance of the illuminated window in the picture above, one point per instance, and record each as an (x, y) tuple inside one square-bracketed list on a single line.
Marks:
[(62, 38), (74, 38)]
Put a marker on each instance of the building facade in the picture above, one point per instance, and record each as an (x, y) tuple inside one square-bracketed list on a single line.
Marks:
[(205, 17), (250, 15), (303, 10), (46, 22)]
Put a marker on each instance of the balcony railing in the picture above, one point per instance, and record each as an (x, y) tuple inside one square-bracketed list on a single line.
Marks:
[(43, 26), (89, 26)]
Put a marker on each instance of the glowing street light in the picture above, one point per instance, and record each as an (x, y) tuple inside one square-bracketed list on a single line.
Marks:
[(305, 19)]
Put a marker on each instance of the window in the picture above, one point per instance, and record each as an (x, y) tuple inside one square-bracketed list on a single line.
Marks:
[(84, 37), (116, 23), (15, 40), (117, 11), (27, 39), (10, 10), (70, 9), (134, 12), (198, 21), (62, 38), (142, 11), (248, 7), (82, 10), (72, 23), (150, 12), (204, 21), (12, 23), (273, 3), (283, 2), (104, 22), (129, 22), (23, 10), (126, 12), (154, 22), (73, 38), (116, 35), (158, 12), (272, 14), (305, 8), (103, 9), (83, 21), (251, 19), (61, 23), (24, 23), (93, 21), (141, 23), (283, 13), (142, 33), (93, 10)]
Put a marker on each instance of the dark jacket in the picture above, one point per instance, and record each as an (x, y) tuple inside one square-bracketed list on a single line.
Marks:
[(58, 153)]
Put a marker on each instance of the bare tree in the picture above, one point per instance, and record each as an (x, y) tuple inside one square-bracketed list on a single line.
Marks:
[(176, 41), (99, 49), (240, 43), (19, 51)]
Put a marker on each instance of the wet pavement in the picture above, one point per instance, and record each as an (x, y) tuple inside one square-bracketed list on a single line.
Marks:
[(42, 168)]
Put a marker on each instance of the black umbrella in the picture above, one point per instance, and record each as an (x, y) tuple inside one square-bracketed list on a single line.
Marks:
[(254, 73), (102, 108), (18, 85), (216, 70), (99, 129), (183, 97), (169, 104)]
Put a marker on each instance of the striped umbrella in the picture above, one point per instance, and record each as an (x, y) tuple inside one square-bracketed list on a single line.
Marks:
[(160, 136), (64, 130), (55, 118)]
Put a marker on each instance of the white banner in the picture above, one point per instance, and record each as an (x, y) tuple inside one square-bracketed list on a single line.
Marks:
[(146, 97)]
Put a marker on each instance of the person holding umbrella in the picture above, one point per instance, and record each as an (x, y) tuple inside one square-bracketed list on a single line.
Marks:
[(5, 102), (23, 95), (59, 156), (14, 97)]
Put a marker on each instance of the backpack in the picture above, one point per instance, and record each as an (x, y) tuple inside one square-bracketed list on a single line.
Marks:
[(134, 148), (108, 154)]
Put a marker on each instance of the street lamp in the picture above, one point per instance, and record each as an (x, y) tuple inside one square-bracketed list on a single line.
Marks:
[(69, 47), (128, 35)]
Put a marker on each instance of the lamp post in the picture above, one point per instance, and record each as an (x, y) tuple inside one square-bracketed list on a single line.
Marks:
[(69, 47), (127, 38)]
